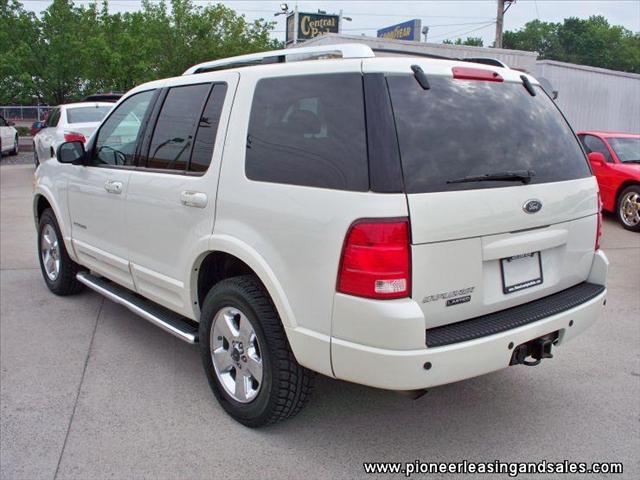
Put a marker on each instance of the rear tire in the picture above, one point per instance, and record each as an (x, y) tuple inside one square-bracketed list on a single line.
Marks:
[(628, 208), (16, 146), (58, 270), (276, 387)]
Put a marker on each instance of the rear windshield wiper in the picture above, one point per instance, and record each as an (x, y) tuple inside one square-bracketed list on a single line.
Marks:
[(523, 176)]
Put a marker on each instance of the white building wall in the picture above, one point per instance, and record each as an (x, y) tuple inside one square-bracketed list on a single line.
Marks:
[(594, 98), (514, 58)]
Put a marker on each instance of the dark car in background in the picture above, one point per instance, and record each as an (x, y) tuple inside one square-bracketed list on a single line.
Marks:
[(36, 127)]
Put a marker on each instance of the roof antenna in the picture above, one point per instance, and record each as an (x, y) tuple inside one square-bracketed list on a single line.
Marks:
[(421, 77)]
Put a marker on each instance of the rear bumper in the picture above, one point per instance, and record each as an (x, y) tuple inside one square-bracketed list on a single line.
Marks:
[(398, 369)]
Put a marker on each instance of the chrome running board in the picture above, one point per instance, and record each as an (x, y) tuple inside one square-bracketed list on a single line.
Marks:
[(164, 318)]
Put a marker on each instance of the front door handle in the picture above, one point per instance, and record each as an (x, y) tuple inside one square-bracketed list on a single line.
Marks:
[(189, 198), (113, 186)]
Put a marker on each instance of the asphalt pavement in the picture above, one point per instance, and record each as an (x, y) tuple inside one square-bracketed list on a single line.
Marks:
[(89, 390)]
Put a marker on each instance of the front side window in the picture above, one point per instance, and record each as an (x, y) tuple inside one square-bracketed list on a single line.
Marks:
[(627, 148), (91, 114), (594, 144), (309, 130), (470, 128), (116, 140), (173, 136)]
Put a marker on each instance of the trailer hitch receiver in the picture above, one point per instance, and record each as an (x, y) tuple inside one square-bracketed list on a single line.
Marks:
[(536, 349)]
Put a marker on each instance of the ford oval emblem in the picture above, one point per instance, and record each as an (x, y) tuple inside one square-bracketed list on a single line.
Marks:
[(532, 206)]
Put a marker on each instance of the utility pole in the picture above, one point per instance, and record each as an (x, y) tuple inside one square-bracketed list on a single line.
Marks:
[(499, 21)]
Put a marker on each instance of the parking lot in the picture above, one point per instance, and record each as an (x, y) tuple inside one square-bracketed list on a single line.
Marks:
[(89, 390)]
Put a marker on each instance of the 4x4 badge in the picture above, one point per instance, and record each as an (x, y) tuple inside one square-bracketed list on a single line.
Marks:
[(532, 206)]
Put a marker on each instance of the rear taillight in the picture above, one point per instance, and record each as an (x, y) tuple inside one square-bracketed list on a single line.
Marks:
[(469, 73), (599, 224), (74, 137), (376, 259)]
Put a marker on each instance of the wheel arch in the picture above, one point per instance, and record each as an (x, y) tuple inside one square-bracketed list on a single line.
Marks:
[(621, 188), (43, 199), (228, 256)]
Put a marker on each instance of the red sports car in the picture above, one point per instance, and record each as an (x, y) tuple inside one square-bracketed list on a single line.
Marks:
[(615, 161)]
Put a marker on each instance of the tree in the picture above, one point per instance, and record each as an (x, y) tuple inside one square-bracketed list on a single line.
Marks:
[(20, 32), (472, 41), (72, 51), (588, 42)]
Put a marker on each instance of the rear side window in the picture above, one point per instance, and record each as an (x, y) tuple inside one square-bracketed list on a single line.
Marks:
[(309, 130), (53, 118), (207, 129), (461, 128), (175, 129)]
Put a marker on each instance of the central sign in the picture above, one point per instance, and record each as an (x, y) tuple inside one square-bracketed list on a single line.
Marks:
[(310, 25)]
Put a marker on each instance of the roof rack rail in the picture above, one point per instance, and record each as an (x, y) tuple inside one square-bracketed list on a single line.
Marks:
[(412, 54), (483, 60), (486, 61), (346, 50)]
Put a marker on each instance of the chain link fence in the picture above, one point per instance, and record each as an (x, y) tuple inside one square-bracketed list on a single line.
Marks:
[(29, 113)]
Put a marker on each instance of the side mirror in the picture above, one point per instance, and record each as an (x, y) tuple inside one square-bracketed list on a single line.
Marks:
[(71, 152), (596, 158)]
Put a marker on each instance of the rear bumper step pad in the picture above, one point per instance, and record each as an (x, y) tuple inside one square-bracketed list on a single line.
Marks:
[(161, 317), (512, 317)]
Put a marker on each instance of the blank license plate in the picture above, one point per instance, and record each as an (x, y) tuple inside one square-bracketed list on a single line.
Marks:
[(520, 272)]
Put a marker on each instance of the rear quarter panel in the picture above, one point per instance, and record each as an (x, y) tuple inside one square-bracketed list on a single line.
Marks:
[(295, 232)]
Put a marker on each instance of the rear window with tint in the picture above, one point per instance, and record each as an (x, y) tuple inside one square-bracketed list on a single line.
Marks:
[(461, 128), (86, 114), (309, 130)]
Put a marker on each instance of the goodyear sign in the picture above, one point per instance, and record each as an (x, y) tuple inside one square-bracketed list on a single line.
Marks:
[(310, 25), (402, 31)]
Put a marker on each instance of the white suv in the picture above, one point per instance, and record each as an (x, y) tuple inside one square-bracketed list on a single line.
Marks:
[(399, 222)]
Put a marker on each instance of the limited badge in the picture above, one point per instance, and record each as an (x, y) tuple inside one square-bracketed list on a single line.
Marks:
[(458, 301)]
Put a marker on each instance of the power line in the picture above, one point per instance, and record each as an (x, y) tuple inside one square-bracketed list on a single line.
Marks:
[(449, 35)]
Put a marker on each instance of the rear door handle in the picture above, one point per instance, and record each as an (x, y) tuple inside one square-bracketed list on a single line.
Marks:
[(113, 186), (189, 198)]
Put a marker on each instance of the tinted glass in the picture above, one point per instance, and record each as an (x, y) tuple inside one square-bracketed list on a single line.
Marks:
[(462, 128), (207, 129), (309, 130), (175, 129), (53, 118), (594, 144), (86, 114), (116, 141), (627, 149)]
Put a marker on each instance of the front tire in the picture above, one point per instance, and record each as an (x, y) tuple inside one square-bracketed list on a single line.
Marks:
[(58, 270), (246, 356), (628, 208)]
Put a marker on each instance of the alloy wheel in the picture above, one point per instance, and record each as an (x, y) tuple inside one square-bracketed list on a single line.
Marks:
[(50, 252), (236, 354), (630, 209)]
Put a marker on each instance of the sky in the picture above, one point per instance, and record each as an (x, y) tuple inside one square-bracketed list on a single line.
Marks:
[(447, 19)]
